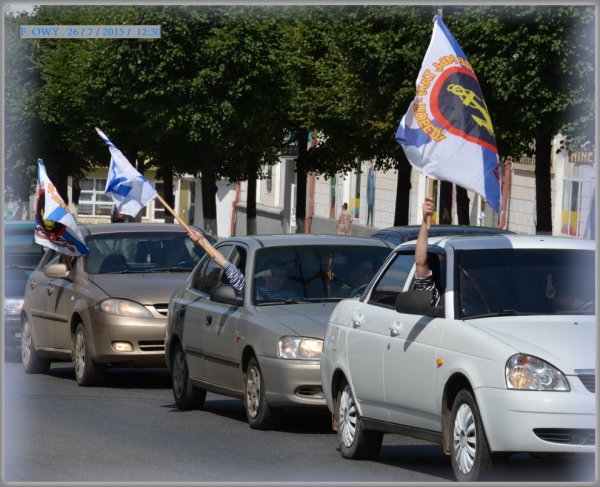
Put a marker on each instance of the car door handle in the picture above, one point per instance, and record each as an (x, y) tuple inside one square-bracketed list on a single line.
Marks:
[(208, 320), (357, 320), (181, 312), (50, 289), (396, 328), (32, 284)]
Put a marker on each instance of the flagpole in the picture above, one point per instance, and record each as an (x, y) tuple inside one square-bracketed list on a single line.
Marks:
[(183, 224), (430, 193)]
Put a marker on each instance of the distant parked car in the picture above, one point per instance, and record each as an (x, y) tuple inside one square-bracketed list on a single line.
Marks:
[(505, 364), (264, 346), (404, 233), (21, 256), (108, 308)]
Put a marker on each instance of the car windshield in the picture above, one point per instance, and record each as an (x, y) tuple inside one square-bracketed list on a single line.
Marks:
[(314, 273), (525, 281), (141, 252), (20, 250)]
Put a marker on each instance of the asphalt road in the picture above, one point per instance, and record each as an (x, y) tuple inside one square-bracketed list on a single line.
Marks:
[(131, 431)]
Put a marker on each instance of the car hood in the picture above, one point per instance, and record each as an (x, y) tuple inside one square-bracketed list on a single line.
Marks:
[(147, 289), (304, 319), (567, 342)]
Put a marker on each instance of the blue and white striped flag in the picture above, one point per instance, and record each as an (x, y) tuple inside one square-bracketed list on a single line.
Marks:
[(129, 189), (56, 227), (447, 132)]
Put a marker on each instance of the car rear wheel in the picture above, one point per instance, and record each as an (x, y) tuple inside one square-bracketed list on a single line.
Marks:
[(32, 362), (186, 395), (260, 415), (87, 371), (355, 442), (471, 457)]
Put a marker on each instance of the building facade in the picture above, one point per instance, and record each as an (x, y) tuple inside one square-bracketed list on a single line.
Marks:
[(371, 198)]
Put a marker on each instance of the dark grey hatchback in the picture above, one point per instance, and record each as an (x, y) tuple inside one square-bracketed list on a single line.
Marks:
[(21, 256)]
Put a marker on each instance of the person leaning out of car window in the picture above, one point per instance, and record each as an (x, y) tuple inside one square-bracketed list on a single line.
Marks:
[(424, 280), (273, 280)]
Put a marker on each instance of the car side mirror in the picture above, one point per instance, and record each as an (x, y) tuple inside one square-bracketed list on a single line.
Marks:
[(226, 294), (417, 303), (57, 271)]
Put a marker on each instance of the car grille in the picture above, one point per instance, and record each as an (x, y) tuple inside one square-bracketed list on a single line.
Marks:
[(589, 381), (566, 436), (152, 346), (162, 308)]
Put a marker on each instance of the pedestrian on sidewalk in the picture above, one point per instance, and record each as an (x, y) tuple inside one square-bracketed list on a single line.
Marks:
[(344, 222)]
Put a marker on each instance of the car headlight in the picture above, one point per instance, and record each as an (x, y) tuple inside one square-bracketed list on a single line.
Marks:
[(12, 306), (300, 348), (123, 307), (525, 372)]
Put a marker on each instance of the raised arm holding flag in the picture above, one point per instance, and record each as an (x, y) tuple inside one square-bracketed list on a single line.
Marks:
[(447, 132), (130, 190), (56, 227)]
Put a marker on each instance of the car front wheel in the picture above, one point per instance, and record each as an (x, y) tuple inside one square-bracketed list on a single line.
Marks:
[(260, 415), (186, 395), (32, 362), (355, 442), (471, 457), (87, 371)]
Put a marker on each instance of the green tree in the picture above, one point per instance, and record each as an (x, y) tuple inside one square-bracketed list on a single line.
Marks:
[(536, 67)]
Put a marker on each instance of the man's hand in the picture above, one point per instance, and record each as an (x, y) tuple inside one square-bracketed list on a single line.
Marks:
[(428, 207)]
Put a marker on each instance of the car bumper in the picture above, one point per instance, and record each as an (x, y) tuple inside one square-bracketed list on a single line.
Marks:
[(292, 382), (537, 421), (146, 336), (12, 331)]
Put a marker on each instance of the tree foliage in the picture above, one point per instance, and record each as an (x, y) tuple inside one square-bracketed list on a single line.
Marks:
[(228, 88)]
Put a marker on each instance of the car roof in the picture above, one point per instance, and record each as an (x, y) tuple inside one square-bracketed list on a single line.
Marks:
[(502, 241), (304, 239), (410, 232), (19, 224)]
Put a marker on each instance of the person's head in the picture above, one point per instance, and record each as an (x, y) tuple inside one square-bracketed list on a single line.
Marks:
[(345, 206), (275, 276), (361, 273)]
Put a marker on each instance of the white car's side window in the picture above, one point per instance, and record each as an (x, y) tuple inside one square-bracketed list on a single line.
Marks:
[(392, 281)]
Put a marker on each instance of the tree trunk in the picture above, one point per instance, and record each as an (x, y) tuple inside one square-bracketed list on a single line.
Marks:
[(251, 227), (445, 210), (167, 176), (209, 186), (543, 154), (462, 206), (402, 192), (301, 175)]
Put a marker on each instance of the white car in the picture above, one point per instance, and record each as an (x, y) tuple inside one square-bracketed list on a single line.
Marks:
[(504, 364)]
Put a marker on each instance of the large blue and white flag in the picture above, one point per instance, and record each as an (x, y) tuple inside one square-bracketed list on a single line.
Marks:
[(56, 227), (129, 189), (447, 132)]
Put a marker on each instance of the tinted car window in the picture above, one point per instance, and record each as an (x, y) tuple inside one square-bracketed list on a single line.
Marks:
[(140, 252), (525, 281), (316, 272), (20, 248), (209, 273), (392, 281)]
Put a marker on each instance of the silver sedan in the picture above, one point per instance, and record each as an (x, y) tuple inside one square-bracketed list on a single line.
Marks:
[(265, 345)]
